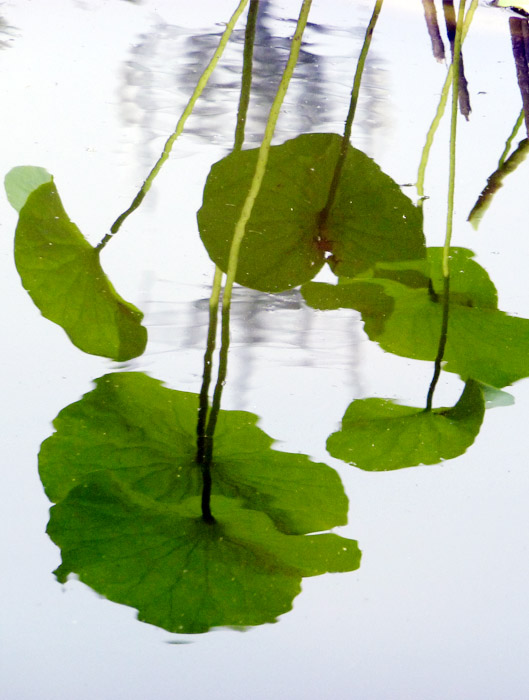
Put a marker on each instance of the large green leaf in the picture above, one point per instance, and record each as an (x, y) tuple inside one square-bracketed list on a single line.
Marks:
[(380, 435), (285, 242), (63, 275), (145, 436), (483, 343), (179, 572)]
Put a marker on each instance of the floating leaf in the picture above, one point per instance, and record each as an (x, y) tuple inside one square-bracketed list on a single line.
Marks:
[(63, 275), (380, 435), (145, 436), (286, 242), (179, 572), (483, 343)]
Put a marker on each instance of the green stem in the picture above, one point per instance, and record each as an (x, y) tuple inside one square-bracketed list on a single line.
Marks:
[(262, 157), (240, 229), (510, 139), (203, 404), (204, 78), (442, 105), (247, 66), (346, 139), (450, 207)]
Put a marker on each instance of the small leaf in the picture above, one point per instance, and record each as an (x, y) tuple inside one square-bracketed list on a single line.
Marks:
[(63, 276), (495, 398), (145, 436), (380, 435), (179, 572), (21, 181), (286, 243)]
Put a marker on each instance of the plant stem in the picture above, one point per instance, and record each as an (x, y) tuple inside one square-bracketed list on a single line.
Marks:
[(205, 426), (264, 150), (240, 228), (203, 404), (346, 139), (450, 208), (204, 78), (511, 137), (247, 66), (441, 106)]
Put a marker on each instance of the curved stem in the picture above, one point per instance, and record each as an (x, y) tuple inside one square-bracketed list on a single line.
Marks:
[(180, 125)]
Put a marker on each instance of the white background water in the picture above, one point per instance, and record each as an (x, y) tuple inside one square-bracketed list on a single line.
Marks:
[(439, 608)]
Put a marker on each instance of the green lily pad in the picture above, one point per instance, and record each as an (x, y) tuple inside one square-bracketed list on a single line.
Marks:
[(380, 435), (63, 275), (286, 242), (483, 343), (144, 435), (183, 574)]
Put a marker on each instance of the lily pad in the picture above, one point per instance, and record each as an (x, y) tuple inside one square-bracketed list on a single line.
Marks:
[(179, 572), (63, 275), (483, 343), (144, 435), (380, 435), (286, 241)]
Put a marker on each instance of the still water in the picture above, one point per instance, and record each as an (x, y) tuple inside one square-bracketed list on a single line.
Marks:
[(438, 606)]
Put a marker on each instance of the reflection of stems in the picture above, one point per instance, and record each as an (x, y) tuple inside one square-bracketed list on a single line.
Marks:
[(520, 51), (249, 39), (512, 136), (450, 209), (262, 156), (433, 30), (208, 357), (495, 181), (206, 423), (324, 214), (441, 107), (233, 259), (180, 125), (442, 343)]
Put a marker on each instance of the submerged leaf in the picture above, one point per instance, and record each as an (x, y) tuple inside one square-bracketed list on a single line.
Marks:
[(483, 343), (179, 572), (63, 275), (286, 241), (380, 435), (145, 436)]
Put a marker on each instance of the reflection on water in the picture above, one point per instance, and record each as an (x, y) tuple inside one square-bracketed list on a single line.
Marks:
[(279, 330), (201, 525), (167, 61)]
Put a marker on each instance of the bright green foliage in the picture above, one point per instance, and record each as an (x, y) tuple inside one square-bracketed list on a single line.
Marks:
[(63, 275), (483, 343), (145, 436), (179, 572), (380, 435), (286, 242), (121, 468)]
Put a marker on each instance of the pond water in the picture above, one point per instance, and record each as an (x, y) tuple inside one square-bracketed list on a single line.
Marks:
[(438, 606)]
